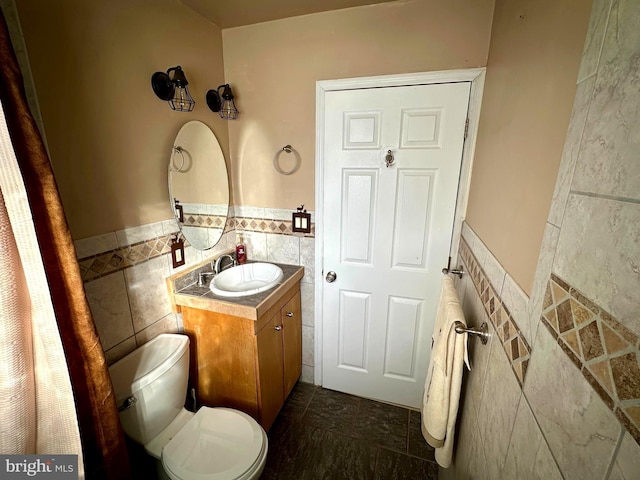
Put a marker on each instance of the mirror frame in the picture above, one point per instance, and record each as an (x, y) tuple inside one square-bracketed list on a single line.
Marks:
[(194, 145)]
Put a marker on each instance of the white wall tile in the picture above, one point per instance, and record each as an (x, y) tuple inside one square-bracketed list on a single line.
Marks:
[(278, 214), (517, 301), (608, 162), (119, 351), (579, 428), (170, 226), (86, 247), (308, 258), (529, 456), (167, 324), (308, 345), (256, 245), (542, 275), (497, 409), (308, 374), (595, 36), (132, 235), (599, 254), (148, 296), (249, 212), (570, 151), (627, 462), (108, 301), (307, 294), (283, 249)]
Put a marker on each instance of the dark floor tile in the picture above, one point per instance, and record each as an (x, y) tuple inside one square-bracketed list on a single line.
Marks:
[(418, 446), (396, 466), (298, 400), (305, 451), (321, 434), (332, 410), (382, 425)]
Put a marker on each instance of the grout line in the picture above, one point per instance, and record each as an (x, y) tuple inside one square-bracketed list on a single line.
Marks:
[(604, 196)]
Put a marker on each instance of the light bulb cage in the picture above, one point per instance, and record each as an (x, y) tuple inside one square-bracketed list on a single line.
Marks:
[(172, 88), (222, 103)]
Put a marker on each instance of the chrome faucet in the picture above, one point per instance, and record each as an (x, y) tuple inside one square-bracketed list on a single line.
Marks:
[(218, 267), (203, 276)]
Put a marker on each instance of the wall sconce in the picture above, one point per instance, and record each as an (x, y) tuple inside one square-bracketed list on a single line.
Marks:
[(222, 103), (173, 89)]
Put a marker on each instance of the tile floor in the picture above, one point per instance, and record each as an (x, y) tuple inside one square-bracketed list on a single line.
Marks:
[(327, 435)]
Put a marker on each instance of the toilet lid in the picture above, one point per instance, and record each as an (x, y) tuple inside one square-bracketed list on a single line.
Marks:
[(216, 444)]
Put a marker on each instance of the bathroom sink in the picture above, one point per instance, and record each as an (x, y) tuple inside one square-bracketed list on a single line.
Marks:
[(247, 279)]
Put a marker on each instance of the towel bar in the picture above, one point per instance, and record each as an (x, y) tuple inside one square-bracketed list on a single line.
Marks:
[(454, 271), (483, 332)]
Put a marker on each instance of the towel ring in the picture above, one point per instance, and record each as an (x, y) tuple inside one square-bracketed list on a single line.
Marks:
[(180, 150), (276, 160)]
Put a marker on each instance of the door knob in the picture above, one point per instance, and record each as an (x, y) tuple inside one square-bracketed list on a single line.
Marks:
[(331, 277), (277, 328)]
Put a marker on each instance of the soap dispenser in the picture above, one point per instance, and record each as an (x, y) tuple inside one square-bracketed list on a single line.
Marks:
[(241, 251)]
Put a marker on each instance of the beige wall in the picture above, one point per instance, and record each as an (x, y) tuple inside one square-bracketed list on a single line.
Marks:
[(530, 85), (109, 136), (273, 68)]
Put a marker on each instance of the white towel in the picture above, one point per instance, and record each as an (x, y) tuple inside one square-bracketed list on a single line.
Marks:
[(444, 377)]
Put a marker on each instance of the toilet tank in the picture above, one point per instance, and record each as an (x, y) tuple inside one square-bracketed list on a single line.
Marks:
[(155, 377)]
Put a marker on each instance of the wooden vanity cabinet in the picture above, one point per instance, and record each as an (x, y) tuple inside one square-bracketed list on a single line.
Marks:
[(243, 363)]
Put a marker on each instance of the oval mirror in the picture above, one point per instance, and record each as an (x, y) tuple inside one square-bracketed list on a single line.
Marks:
[(198, 185)]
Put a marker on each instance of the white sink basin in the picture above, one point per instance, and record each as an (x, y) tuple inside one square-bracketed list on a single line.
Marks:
[(247, 279)]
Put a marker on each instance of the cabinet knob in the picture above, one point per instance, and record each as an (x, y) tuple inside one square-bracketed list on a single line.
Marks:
[(277, 328), (289, 314)]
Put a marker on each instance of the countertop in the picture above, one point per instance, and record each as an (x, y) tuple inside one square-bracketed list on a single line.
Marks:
[(184, 291)]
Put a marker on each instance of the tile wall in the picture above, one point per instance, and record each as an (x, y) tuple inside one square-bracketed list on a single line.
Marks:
[(572, 408), (124, 274)]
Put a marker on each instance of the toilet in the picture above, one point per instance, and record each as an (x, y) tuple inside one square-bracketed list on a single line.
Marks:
[(150, 387)]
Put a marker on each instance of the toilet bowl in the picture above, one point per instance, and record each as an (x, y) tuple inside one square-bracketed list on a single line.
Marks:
[(213, 444)]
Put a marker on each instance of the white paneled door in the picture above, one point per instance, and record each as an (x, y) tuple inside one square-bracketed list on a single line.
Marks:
[(391, 172)]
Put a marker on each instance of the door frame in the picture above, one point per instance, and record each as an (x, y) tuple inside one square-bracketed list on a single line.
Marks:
[(474, 75)]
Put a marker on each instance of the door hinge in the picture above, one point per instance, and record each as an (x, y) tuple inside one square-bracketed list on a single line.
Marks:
[(466, 128)]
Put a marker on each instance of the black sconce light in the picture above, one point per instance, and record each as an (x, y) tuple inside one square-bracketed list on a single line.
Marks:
[(173, 89), (222, 103)]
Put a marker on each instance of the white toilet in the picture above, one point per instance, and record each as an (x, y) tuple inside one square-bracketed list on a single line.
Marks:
[(213, 444)]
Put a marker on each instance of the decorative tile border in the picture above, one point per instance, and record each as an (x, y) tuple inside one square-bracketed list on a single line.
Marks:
[(102, 264), (105, 263), (207, 221), (513, 343), (604, 350), (273, 226)]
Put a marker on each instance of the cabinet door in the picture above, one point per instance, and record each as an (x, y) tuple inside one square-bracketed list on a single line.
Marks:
[(269, 345), (291, 317)]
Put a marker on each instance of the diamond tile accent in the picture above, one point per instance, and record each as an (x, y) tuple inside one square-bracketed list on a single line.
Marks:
[(513, 342), (601, 372), (565, 317), (613, 342), (606, 352), (626, 376), (571, 339), (590, 340)]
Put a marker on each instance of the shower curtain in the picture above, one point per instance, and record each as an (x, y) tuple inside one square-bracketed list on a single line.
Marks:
[(55, 391)]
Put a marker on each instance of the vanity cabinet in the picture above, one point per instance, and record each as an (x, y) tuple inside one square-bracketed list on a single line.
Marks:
[(245, 363)]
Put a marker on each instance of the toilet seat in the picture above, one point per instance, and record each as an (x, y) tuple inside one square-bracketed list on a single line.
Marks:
[(215, 444)]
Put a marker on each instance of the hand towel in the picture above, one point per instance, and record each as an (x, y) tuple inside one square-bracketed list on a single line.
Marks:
[(444, 377)]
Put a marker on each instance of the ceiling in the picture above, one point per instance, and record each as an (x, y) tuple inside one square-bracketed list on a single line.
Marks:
[(235, 13)]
